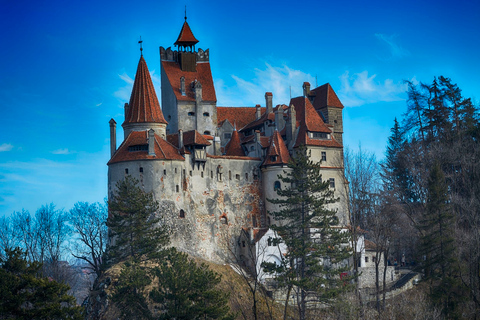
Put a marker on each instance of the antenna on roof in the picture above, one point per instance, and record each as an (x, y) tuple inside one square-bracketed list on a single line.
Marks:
[(141, 48), (185, 12)]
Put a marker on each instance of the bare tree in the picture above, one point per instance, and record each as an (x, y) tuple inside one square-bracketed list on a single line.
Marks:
[(89, 225)]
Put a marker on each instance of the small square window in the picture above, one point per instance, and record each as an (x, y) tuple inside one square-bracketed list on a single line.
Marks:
[(237, 176), (332, 183), (126, 171), (191, 113)]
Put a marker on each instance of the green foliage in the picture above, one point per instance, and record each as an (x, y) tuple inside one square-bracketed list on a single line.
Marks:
[(136, 229), (130, 292), (187, 290), (316, 247), (26, 295)]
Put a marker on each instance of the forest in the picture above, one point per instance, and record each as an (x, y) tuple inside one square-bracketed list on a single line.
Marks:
[(421, 202)]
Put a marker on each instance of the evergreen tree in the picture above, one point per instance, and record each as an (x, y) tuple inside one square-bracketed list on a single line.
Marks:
[(187, 290), (316, 247), (135, 229), (438, 243), (26, 295)]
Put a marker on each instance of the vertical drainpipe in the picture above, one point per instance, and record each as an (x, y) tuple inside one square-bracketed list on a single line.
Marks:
[(113, 137)]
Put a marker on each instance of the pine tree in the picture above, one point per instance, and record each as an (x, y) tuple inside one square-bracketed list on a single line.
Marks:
[(27, 295), (187, 290), (438, 244), (316, 247), (135, 229)]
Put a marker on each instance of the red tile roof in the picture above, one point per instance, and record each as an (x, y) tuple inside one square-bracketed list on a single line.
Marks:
[(277, 150), (190, 138), (143, 105), (241, 116), (234, 147), (163, 149), (186, 37), (260, 121), (203, 75), (303, 139), (325, 96), (308, 116)]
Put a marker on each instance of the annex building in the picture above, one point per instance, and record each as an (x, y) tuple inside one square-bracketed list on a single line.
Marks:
[(212, 168)]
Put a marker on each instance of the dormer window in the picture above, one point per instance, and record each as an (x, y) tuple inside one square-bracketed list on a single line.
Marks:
[(273, 158), (139, 147), (320, 135)]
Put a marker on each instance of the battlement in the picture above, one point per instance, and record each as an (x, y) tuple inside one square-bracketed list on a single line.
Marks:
[(173, 55)]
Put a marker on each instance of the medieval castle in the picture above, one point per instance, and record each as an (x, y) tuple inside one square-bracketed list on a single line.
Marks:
[(213, 168)]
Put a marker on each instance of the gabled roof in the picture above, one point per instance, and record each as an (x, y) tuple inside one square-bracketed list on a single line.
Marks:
[(143, 105), (277, 152), (163, 149), (190, 138), (304, 140), (241, 116), (186, 37), (308, 116), (234, 146), (325, 96), (203, 75)]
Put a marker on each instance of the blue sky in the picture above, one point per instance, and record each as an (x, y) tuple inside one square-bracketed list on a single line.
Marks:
[(67, 67)]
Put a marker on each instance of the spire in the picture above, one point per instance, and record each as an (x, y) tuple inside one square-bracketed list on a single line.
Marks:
[(186, 38), (277, 152), (234, 147), (143, 106)]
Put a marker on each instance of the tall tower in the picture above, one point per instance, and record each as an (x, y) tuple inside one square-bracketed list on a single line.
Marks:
[(188, 94)]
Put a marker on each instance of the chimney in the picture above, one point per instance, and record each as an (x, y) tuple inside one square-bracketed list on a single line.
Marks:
[(258, 112), (151, 142), (198, 91), (291, 126), (268, 102), (182, 85), (306, 89), (126, 107), (113, 137), (258, 147), (180, 138), (279, 121), (216, 146)]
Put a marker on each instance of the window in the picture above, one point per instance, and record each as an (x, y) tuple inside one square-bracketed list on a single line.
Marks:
[(191, 114), (175, 170), (169, 117), (269, 241), (141, 169), (182, 213), (324, 156), (246, 176), (276, 186), (229, 175), (177, 188), (332, 183), (243, 243), (164, 172), (223, 220), (211, 174), (366, 259), (206, 133), (320, 135), (227, 135), (126, 171), (201, 174), (252, 148), (139, 147), (374, 259), (237, 176), (206, 114), (191, 173), (273, 158)]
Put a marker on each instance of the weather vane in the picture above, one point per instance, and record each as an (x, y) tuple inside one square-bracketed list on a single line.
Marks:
[(141, 48), (185, 12)]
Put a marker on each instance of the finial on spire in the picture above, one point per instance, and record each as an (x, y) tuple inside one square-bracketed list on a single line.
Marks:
[(185, 12), (141, 48)]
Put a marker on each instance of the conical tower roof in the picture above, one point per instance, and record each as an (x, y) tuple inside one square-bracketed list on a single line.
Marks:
[(234, 146), (186, 37), (143, 105), (277, 152)]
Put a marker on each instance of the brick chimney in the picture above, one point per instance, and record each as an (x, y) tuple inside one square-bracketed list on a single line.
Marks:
[(113, 137), (182, 85), (306, 89), (279, 121), (268, 102)]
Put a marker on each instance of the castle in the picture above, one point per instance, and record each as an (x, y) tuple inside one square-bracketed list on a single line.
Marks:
[(212, 168)]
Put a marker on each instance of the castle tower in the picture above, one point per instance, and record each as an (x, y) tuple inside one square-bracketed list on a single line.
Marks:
[(188, 95), (143, 111)]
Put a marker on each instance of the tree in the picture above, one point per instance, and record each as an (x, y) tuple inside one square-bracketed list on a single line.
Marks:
[(25, 295), (89, 225), (136, 230), (316, 246), (187, 290)]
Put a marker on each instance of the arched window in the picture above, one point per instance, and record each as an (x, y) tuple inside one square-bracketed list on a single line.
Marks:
[(182, 213), (276, 185), (206, 133)]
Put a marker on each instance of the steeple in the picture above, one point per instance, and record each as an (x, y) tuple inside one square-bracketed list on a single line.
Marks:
[(143, 111), (234, 147), (186, 39)]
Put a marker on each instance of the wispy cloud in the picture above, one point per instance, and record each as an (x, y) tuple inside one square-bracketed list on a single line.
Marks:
[(396, 51), (276, 79), (123, 93), (6, 147), (62, 151), (360, 88)]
